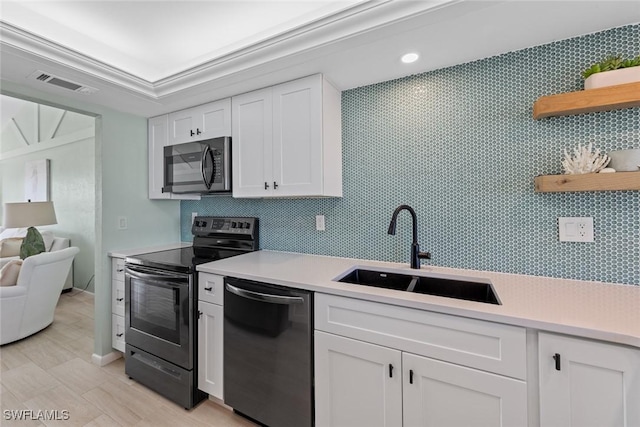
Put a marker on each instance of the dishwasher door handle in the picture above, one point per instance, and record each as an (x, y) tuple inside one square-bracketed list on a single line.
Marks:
[(259, 296)]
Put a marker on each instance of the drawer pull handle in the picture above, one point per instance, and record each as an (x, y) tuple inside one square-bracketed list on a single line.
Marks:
[(390, 370), (208, 289), (410, 376), (120, 334), (199, 314), (119, 299), (120, 270), (556, 357)]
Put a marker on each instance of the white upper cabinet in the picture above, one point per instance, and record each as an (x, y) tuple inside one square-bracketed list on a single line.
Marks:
[(287, 140), (158, 139), (158, 127), (251, 143), (202, 122), (588, 383)]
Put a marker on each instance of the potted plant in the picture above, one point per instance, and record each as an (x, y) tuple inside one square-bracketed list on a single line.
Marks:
[(612, 71)]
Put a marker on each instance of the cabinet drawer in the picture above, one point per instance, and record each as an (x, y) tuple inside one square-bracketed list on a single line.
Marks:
[(117, 297), (211, 288), (117, 332), (117, 269), (478, 344)]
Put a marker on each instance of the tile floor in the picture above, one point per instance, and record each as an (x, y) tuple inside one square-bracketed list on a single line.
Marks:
[(52, 371)]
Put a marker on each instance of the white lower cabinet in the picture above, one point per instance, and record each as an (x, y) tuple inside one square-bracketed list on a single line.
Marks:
[(117, 333), (357, 383), (363, 384), (210, 334), (385, 383), (440, 394), (117, 304), (588, 383)]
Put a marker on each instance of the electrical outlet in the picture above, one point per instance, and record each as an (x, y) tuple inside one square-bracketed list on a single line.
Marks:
[(575, 229), (320, 222)]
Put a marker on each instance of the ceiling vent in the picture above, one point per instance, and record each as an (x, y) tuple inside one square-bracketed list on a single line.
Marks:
[(60, 82)]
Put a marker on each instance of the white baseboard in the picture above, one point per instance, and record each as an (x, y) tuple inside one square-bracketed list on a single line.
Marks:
[(106, 359)]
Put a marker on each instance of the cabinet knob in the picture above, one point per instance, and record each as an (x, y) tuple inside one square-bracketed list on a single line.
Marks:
[(556, 357), (198, 131), (266, 186), (191, 132), (199, 314), (275, 185), (119, 299), (208, 289), (120, 334)]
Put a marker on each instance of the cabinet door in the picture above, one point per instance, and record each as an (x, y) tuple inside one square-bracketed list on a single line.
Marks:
[(158, 134), (210, 345), (356, 383), (297, 137), (441, 394), (593, 384), (117, 297), (213, 119), (182, 126), (252, 135), (117, 332)]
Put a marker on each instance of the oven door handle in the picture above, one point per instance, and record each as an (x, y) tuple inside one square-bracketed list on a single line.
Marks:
[(133, 271), (259, 296)]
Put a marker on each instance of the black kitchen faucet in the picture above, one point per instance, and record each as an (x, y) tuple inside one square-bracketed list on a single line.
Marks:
[(416, 255)]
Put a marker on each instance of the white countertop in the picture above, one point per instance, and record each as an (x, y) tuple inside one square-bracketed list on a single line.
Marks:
[(603, 311), (137, 251)]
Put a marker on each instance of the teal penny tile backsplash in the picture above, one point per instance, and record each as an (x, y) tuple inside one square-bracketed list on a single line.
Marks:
[(460, 146)]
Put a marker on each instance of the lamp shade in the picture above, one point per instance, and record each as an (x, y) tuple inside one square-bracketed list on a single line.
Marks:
[(30, 214)]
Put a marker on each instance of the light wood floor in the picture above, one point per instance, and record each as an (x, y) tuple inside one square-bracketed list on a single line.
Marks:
[(52, 371)]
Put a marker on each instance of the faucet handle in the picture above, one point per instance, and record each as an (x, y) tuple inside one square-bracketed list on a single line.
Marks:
[(424, 255)]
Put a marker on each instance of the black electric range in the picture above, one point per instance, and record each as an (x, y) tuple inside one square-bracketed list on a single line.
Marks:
[(161, 293)]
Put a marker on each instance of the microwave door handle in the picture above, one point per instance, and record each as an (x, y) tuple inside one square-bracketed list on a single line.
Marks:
[(203, 162), (213, 168)]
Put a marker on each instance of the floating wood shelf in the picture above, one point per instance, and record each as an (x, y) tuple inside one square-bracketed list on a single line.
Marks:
[(588, 182), (588, 101)]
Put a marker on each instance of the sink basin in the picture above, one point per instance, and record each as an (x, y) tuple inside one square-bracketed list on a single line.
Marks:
[(439, 285)]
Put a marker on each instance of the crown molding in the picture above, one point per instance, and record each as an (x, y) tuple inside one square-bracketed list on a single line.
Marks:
[(332, 29), (30, 45)]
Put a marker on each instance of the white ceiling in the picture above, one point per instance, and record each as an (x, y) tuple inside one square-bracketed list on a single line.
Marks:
[(151, 57)]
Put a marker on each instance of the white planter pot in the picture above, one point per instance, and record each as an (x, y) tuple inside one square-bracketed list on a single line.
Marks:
[(613, 78)]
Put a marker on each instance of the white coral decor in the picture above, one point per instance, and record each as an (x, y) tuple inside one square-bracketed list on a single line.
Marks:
[(584, 161)]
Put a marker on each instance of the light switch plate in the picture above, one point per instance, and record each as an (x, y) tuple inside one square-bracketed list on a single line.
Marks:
[(122, 223), (575, 229), (320, 222)]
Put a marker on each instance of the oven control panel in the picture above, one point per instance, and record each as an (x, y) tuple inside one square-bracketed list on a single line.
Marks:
[(208, 225)]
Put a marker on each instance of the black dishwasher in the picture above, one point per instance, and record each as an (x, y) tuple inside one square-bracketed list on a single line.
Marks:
[(268, 352)]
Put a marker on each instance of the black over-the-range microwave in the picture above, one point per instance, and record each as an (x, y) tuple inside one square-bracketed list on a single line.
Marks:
[(201, 167)]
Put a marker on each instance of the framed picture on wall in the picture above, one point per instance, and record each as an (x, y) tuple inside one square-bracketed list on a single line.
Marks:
[(36, 180)]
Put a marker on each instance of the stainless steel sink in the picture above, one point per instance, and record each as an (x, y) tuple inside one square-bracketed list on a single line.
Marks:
[(439, 285)]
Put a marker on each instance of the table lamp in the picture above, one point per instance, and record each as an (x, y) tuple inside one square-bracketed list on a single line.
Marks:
[(29, 214)]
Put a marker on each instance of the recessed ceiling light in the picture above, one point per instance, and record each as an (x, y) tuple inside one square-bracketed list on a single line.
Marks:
[(409, 58)]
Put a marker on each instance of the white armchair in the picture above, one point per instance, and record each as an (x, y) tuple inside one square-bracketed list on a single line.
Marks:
[(29, 306)]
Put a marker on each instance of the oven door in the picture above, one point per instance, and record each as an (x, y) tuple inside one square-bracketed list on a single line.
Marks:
[(159, 313)]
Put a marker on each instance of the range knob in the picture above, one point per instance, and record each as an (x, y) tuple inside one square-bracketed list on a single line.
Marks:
[(247, 225), (233, 224)]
